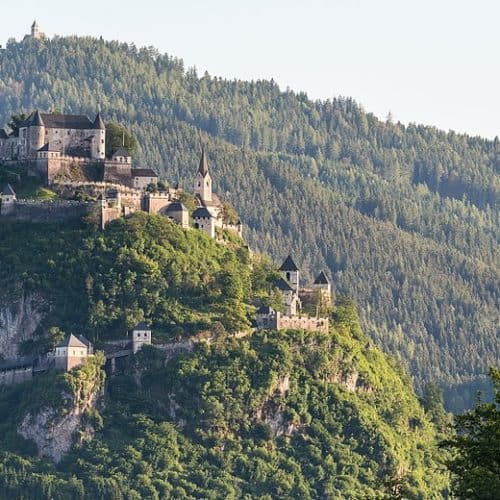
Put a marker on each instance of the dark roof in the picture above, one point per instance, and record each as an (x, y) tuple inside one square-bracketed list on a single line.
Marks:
[(176, 206), (141, 326), (283, 285), (288, 265), (203, 167), (321, 279), (7, 190), (81, 122), (3, 134), (121, 151), (83, 339), (72, 341), (202, 212), (36, 119), (99, 122), (265, 310), (143, 172), (67, 121)]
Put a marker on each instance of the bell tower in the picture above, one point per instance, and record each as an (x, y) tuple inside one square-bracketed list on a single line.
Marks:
[(203, 181)]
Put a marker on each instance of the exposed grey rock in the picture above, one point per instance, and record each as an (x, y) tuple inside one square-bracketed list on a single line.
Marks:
[(55, 434), (19, 319)]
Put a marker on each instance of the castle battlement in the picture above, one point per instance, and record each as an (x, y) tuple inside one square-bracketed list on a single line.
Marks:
[(293, 295)]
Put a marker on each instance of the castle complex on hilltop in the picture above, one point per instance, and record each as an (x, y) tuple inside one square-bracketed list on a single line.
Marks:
[(294, 296), (50, 146), (44, 135)]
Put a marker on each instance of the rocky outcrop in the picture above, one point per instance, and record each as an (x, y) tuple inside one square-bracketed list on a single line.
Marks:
[(351, 381), (55, 430), (19, 319), (55, 434)]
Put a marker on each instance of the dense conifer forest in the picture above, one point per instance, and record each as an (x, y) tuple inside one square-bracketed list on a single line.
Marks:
[(404, 218)]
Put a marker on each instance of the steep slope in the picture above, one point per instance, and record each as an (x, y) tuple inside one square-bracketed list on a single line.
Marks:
[(405, 218), (101, 284), (281, 415)]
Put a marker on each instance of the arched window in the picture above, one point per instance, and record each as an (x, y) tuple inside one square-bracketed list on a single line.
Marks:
[(288, 276)]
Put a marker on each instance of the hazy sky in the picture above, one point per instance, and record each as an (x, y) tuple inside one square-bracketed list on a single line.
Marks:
[(433, 62)]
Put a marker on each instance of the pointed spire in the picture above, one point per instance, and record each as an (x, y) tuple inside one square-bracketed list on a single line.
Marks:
[(37, 120), (203, 168), (321, 279), (8, 191), (288, 265), (99, 122), (35, 24)]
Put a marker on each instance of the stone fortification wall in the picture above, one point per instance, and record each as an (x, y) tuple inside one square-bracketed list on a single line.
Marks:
[(129, 197), (109, 214), (155, 203), (16, 375), (98, 186), (50, 169), (301, 322), (118, 172), (45, 211)]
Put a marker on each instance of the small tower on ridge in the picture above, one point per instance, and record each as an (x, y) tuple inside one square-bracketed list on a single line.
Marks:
[(36, 32), (291, 273), (322, 283), (141, 335), (8, 199), (99, 145), (203, 181)]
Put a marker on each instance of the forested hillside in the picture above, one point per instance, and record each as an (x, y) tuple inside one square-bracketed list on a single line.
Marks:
[(404, 217), (264, 417)]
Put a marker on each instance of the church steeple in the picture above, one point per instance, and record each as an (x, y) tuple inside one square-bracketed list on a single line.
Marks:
[(203, 168), (98, 122), (203, 181)]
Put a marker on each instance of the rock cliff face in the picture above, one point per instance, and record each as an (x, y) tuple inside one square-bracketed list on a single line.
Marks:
[(19, 319), (55, 430)]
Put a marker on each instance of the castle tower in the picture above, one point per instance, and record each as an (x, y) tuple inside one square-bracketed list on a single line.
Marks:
[(291, 299), (291, 273), (71, 352), (36, 32), (324, 292), (203, 219), (99, 142), (35, 134), (203, 181), (322, 283), (8, 200), (141, 335)]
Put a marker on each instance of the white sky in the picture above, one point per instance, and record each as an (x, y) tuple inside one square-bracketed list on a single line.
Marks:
[(432, 62)]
